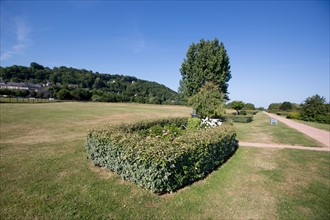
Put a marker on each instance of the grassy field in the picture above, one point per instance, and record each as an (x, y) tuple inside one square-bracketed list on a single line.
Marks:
[(45, 173), (315, 125), (261, 131)]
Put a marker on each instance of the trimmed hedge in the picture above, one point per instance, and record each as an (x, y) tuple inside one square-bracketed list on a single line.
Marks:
[(161, 165), (248, 112), (240, 118), (294, 115)]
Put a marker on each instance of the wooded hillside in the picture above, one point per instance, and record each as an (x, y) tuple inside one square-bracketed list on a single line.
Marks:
[(68, 83)]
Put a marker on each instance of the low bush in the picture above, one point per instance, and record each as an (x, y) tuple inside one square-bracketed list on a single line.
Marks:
[(240, 118), (193, 123), (294, 115), (248, 112), (162, 165), (251, 112)]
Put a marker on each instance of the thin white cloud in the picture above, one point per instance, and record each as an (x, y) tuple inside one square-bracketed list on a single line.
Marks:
[(22, 40)]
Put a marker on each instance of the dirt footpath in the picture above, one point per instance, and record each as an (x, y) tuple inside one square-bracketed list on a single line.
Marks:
[(320, 135), (264, 145)]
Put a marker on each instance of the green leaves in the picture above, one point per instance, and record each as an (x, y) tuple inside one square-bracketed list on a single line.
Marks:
[(240, 118), (316, 109), (208, 102), (205, 61), (160, 164)]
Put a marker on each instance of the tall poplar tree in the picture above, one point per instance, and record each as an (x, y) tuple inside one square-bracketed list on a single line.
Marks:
[(206, 61)]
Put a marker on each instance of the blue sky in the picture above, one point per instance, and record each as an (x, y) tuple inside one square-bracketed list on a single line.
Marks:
[(279, 50)]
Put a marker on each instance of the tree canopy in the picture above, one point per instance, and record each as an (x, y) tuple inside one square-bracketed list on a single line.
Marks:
[(316, 109), (208, 102), (285, 106), (237, 105), (249, 106), (206, 61)]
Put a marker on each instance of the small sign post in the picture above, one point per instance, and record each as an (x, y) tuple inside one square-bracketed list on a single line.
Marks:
[(273, 121)]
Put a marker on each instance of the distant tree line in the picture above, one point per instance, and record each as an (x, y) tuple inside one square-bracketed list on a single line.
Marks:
[(68, 83), (240, 105), (314, 108)]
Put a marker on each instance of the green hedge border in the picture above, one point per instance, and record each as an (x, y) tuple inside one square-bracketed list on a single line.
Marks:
[(158, 165), (240, 118)]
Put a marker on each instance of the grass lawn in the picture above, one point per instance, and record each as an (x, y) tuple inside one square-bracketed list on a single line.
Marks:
[(261, 131), (315, 125), (45, 173)]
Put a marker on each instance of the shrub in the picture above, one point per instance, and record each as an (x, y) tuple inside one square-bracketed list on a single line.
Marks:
[(208, 102), (248, 112), (240, 118), (315, 109), (251, 112), (193, 123), (243, 112), (161, 165), (294, 115)]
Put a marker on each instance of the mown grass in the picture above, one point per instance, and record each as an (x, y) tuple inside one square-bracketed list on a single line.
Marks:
[(45, 173), (315, 124), (261, 131)]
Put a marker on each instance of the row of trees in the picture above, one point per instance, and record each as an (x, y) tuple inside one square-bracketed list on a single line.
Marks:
[(284, 106), (82, 85), (314, 108)]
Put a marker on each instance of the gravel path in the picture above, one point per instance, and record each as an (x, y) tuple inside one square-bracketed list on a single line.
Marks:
[(321, 136)]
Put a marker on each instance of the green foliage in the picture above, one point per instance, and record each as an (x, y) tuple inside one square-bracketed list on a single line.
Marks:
[(14, 92), (160, 164), (193, 123), (283, 107), (164, 132), (249, 106), (274, 107), (251, 112), (237, 105), (294, 115), (286, 106), (64, 94), (239, 118), (91, 86), (206, 61), (316, 109), (248, 112), (208, 102)]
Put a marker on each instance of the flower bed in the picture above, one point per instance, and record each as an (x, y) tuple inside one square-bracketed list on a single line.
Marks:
[(161, 155)]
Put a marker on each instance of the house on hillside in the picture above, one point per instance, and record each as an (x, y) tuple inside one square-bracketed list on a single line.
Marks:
[(34, 87), (3, 85), (47, 84)]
